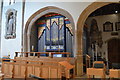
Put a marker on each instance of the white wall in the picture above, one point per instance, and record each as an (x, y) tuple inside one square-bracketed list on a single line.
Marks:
[(9, 46), (0, 20), (105, 35), (74, 8), (12, 45)]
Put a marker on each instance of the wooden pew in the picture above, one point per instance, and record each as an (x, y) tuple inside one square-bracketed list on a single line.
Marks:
[(45, 67), (14, 68), (23, 68)]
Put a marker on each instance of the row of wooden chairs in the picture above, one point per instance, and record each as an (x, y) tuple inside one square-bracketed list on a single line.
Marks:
[(99, 69)]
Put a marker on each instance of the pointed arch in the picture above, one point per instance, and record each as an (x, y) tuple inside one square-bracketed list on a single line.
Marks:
[(35, 17), (80, 25), (112, 39)]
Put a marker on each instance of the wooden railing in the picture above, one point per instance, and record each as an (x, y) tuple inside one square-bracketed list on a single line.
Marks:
[(50, 54), (88, 63)]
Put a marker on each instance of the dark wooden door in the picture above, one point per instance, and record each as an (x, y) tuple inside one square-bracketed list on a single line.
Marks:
[(114, 51)]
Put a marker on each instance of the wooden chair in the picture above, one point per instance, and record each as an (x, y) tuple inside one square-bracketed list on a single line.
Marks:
[(114, 73), (98, 69)]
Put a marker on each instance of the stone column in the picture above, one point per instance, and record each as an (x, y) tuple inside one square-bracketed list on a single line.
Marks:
[(79, 54), (79, 64)]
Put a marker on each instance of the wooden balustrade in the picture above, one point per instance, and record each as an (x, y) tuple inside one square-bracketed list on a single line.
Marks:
[(26, 54)]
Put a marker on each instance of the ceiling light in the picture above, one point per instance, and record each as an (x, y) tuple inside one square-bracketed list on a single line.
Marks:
[(116, 11)]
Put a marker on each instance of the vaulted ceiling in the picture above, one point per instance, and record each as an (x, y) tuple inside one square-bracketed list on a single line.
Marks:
[(113, 8)]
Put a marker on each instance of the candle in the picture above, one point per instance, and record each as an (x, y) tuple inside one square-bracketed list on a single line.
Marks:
[(32, 48)]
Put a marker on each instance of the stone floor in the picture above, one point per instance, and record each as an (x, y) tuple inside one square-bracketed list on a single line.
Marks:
[(85, 76)]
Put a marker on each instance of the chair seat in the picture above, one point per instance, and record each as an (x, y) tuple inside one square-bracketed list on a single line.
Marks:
[(98, 69), (95, 71), (114, 73)]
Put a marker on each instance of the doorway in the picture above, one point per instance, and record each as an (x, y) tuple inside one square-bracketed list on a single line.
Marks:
[(114, 51)]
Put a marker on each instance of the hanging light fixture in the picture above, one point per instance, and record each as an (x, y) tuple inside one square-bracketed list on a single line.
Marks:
[(116, 8)]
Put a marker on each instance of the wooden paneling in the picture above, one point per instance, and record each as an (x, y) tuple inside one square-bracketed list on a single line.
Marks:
[(7, 69), (30, 70), (19, 70), (45, 72), (53, 73), (22, 70), (37, 70), (16, 70)]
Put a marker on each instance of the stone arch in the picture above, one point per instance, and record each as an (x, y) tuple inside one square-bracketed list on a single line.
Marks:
[(36, 16), (80, 25), (112, 39)]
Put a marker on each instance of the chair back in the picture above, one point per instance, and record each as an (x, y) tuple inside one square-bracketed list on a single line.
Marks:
[(98, 64)]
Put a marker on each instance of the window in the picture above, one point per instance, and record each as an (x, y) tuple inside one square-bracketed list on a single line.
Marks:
[(11, 2)]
